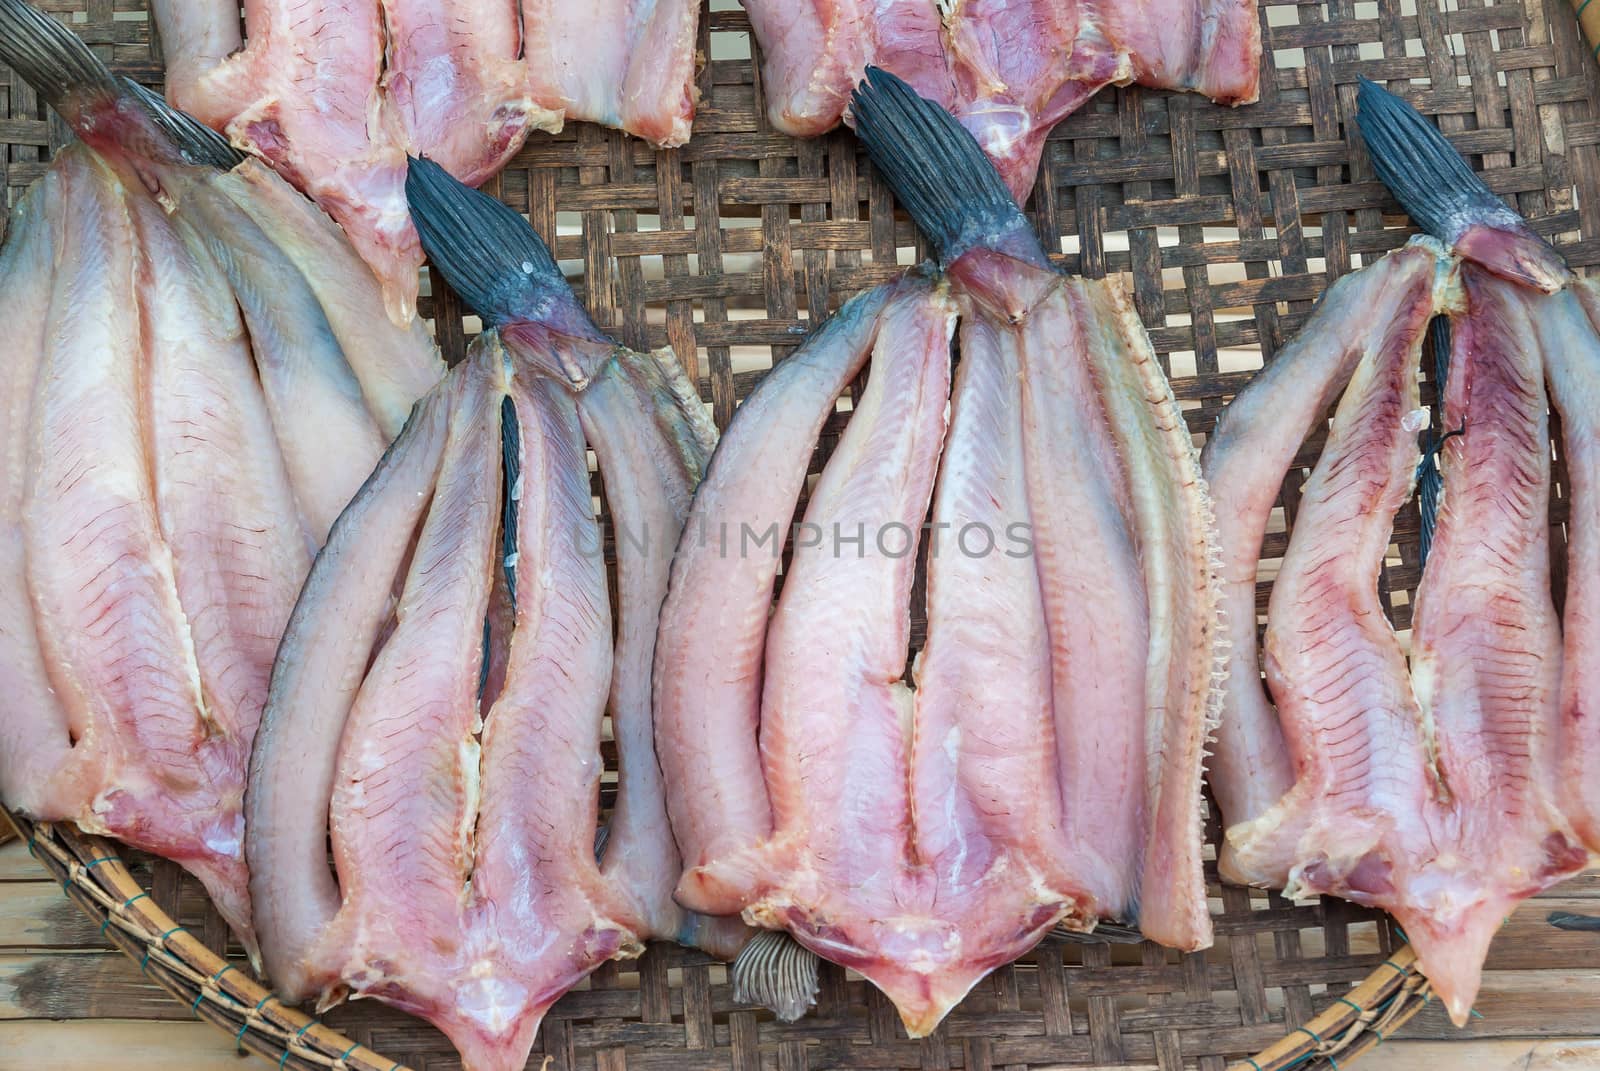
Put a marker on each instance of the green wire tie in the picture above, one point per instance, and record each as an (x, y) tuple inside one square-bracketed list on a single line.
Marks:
[(298, 1034), (1346, 1000), (130, 901), (1392, 965), (238, 1039), (345, 1055), (1309, 1033), (1581, 6), (144, 961), (195, 1007), (91, 864), (1252, 1063)]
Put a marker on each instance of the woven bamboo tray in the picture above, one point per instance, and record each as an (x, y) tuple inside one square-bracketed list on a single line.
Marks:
[(1230, 222)]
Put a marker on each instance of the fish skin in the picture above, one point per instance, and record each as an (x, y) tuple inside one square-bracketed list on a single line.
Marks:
[(1486, 656), (1244, 463), (330, 438), (314, 684), (707, 667), (394, 365), (1568, 327), (37, 773), (651, 467)]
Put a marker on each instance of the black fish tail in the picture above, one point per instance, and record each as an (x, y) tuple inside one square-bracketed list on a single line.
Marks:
[(1437, 188), (51, 58), (106, 111), (935, 167), (491, 255), (1430, 480), (198, 143)]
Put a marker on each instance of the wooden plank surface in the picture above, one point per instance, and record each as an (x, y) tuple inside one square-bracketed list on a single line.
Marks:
[(68, 1001)]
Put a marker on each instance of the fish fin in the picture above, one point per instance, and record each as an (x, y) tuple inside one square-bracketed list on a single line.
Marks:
[(776, 972), (1568, 920), (1437, 188), (52, 59), (198, 143), (511, 458), (488, 253), (1430, 479), (935, 167)]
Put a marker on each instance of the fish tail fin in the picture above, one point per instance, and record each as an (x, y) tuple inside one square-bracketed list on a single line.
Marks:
[(489, 253), (198, 143), (1437, 188), (52, 59), (935, 167)]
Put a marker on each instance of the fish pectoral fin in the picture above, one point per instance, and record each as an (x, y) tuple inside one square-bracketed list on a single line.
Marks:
[(776, 972)]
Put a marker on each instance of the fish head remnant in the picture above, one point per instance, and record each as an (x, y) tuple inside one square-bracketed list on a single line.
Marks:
[(1446, 197)]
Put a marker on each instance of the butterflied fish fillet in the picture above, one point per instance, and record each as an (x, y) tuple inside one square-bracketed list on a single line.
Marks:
[(925, 837), (153, 533), (1009, 71), (1141, 489), (439, 702), (1435, 790)]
